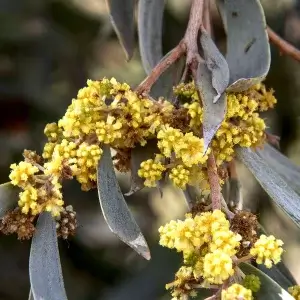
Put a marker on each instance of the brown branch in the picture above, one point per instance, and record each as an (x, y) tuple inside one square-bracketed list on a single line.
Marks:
[(175, 54), (188, 45), (213, 178), (283, 45)]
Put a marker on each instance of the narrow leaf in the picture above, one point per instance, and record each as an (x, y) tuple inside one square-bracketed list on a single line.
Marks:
[(248, 49), (45, 273), (213, 113), (139, 154), (282, 165), (114, 208), (8, 197), (150, 19), (163, 87), (279, 191), (122, 18), (216, 63), (269, 288)]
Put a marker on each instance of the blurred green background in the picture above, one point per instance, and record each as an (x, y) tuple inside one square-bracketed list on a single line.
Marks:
[(48, 49)]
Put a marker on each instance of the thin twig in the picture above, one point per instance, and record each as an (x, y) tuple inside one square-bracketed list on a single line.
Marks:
[(283, 45), (242, 259), (213, 178), (192, 31), (206, 17), (175, 54), (232, 170)]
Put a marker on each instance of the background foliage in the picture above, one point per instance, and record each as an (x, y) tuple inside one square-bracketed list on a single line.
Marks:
[(47, 51)]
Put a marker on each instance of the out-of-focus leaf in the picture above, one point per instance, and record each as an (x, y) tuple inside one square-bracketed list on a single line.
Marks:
[(216, 63), (213, 113), (139, 154), (269, 288), (282, 165), (122, 18), (163, 87), (114, 208), (45, 273), (8, 197), (150, 19), (279, 191), (150, 280), (248, 49)]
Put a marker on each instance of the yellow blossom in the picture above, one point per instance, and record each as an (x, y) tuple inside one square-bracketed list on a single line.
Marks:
[(179, 176), (28, 201), (236, 292), (295, 291), (217, 267), (267, 250), (20, 173), (151, 170), (168, 138)]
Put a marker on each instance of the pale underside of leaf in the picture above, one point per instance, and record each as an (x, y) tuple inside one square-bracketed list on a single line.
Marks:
[(213, 113), (276, 187), (45, 273), (122, 18), (282, 165), (269, 288), (216, 63), (138, 155), (8, 197), (150, 21), (114, 208), (248, 49)]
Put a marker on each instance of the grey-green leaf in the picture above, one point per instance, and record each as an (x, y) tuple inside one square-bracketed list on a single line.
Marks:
[(216, 63), (248, 49), (150, 20), (282, 165), (122, 17), (269, 288), (276, 187), (213, 113), (114, 208), (139, 154), (8, 197), (45, 273), (163, 87)]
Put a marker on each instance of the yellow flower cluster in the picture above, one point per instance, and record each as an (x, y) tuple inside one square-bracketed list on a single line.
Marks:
[(152, 171), (295, 291), (109, 112), (242, 125), (209, 250), (39, 194), (236, 292), (267, 250), (206, 241), (21, 173)]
